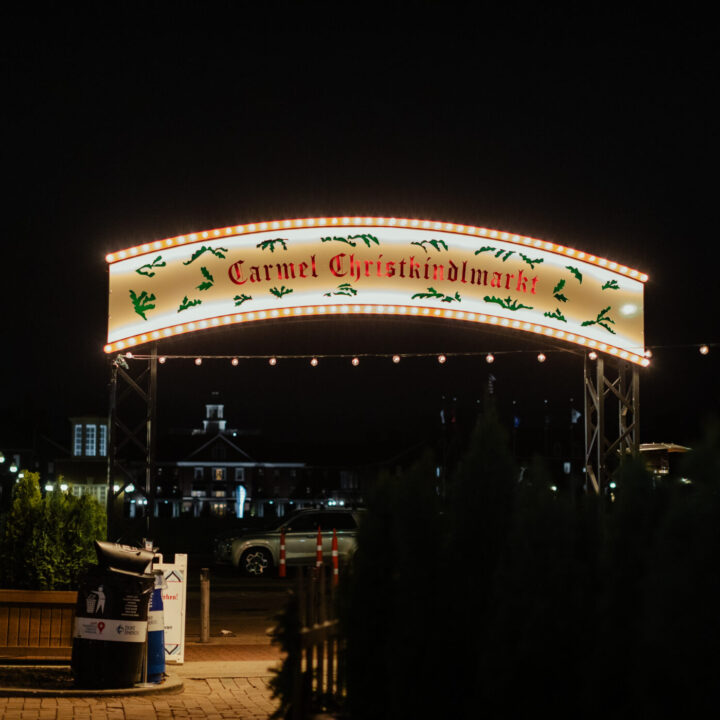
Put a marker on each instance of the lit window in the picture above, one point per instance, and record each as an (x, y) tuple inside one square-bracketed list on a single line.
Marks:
[(91, 440), (219, 474), (102, 442), (77, 440)]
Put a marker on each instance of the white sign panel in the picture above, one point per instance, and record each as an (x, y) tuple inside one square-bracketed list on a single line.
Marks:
[(325, 266), (174, 603)]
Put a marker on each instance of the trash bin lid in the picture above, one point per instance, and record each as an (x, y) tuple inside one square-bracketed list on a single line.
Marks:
[(123, 557)]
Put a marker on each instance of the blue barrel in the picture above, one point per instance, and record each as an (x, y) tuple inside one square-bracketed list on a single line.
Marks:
[(156, 632)]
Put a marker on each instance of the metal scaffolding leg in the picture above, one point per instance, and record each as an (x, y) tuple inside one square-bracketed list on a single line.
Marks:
[(612, 384), (133, 405)]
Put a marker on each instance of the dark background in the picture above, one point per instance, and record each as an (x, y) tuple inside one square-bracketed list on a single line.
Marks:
[(133, 122)]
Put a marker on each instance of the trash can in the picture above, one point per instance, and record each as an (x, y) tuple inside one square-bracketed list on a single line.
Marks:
[(111, 618)]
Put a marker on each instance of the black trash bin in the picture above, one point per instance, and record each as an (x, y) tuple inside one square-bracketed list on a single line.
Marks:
[(111, 618)]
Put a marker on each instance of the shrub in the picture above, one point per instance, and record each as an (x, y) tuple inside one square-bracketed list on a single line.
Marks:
[(45, 543)]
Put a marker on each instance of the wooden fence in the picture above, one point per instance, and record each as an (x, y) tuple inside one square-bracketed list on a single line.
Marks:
[(36, 624), (319, 673)]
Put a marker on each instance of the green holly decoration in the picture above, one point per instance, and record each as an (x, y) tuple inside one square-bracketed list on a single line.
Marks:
[(575, 272), (432, 293), (602, 319), (505, 253), (270, 244), (508, 303), (531, 262), (279, 293), (209, 280), (334, 238), (185, 304), (611, 285), (343, 289), (485, 248), (366, 238), (439, 245), (556, 291), (149, 270), (217, 252), (240, 299), (557, 315), (142, 302)]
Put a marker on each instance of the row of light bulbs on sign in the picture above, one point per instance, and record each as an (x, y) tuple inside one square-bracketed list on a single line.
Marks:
[(442, 359)]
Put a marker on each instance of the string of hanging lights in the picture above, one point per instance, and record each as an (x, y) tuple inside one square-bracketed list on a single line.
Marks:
[(442, 358)]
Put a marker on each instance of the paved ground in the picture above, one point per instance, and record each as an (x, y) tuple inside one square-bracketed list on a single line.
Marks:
[(222, 681)]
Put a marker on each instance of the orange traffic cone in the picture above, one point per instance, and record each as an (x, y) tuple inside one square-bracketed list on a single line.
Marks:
[(282, 566), (319, 558), (335, 561)]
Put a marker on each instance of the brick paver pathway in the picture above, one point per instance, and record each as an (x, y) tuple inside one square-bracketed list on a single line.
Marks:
[(209, 699)]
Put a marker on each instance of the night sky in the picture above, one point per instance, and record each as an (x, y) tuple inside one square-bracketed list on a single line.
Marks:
[(136, 122)]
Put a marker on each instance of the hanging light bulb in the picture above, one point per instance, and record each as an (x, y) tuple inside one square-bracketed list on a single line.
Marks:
[(128, 354), (541, 357), (489, 358), (314, 362), (592, 355), (704, 349), (273, 361), (648, 353), (198, 361), (396, 359), (162, 359), (235, 361), (356, 361), (441, 359)]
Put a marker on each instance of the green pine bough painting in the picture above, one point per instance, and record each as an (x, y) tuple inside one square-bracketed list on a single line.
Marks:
[(343, 289), (149, 270), (611, 285), (282, 291), (185, 304), (439, 245), (350, 239), (270, 244), (507, 304), (142, 302), (432, 293), (209, 280), (217, 252), (240, 299), (602, 320)]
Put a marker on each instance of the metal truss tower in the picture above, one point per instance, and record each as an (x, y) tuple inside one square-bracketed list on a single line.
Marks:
[(612, 418), (132, 431)]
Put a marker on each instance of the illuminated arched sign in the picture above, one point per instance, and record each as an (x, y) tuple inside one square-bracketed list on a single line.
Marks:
[(389, 266)]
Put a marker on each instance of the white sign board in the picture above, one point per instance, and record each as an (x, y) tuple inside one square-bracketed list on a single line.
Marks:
[(174, 601), (388, 266)]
